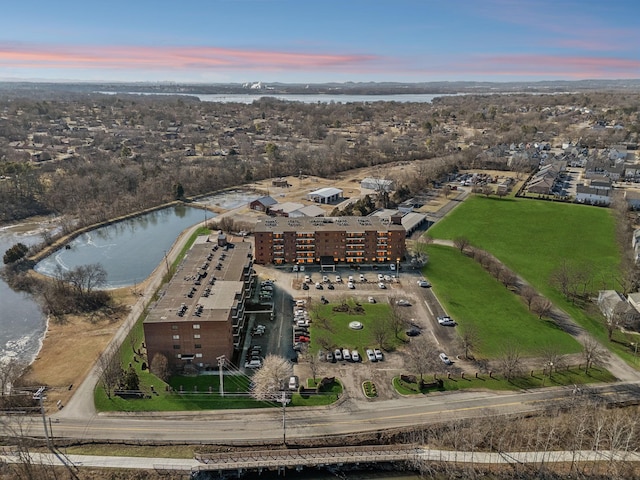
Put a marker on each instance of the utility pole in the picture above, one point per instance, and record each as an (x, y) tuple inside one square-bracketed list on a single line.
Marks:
[(39, 395), (221, 360)]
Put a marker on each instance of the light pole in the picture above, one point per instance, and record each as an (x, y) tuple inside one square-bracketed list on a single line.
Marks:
[(284, 400), (221, 360)]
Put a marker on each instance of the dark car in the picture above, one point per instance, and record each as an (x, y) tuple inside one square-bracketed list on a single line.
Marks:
[(413, 332)]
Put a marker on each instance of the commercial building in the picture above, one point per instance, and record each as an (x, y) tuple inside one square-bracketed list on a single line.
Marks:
[(326, 195), (329, 240), (200, 317)]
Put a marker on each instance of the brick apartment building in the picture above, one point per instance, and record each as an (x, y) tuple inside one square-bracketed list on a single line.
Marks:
[(201, 315), (340, 239)]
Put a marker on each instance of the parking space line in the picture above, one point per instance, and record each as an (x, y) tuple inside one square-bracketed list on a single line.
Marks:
[(428, 308)]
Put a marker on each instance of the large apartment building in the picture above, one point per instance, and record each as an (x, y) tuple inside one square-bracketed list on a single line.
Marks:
[(339, 239), (200, 317)]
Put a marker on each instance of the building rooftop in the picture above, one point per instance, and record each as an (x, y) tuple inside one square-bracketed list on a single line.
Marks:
[(310, 225), (207, 284)]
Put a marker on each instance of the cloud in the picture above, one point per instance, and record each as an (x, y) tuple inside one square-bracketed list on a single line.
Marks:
[(181, 58)]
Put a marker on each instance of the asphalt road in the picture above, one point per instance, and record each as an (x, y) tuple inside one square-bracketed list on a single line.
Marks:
[(345, 418)]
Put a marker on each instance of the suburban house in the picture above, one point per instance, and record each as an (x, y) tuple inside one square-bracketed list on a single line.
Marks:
[(201, 316), (618, 310), (326, 195), (592, 196)]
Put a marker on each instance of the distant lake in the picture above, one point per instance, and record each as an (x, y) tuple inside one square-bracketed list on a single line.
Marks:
[(249, 98)]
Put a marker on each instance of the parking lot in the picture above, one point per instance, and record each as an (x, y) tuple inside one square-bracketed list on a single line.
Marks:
[(285, 331)]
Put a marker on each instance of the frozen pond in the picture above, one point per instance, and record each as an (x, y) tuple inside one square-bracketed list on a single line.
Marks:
[(230, 200)]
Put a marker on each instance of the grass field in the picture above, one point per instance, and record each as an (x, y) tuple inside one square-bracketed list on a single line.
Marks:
[(570, 376), (475, 299), (533, 237), (336, 332)]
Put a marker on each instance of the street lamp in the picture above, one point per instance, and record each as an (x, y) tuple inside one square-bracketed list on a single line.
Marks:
[(284, 400)]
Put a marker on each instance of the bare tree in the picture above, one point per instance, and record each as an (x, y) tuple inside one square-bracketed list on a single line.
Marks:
[(551, 357), (511, 361), (314, 364), (397, 318), (541, 306), (270, 379), (528, 294), (592, 353), (110, 368), (421, 356), (10, 371), (160, 367), (470, 339), (85, 278), (380, 331), (461, 243)]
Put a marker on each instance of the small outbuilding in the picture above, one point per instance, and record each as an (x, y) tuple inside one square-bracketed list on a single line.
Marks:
[(262, 204)]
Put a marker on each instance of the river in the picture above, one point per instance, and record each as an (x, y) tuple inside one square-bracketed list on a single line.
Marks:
[(22, 323)]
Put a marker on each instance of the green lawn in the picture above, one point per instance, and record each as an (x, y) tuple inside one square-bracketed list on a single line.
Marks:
[(335, 331), (571, 376), (474, 298), (534, 237)]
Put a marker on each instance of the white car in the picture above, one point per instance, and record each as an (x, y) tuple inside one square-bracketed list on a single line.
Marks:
[(337, 354), (403, 303), (307, 279), (355, 356), (346, 354), (423, 284), (392, 266), (378, 353), (380, 277), (325, 279), (446, 321), (253, 364), (351, 285), (445, 359), (338, 279), (371, 356), (350, 278), (382, 285), (293, 383), (362, 279), (371, 300)]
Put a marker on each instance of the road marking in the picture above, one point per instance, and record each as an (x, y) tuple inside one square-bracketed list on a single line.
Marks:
[(429, 308)]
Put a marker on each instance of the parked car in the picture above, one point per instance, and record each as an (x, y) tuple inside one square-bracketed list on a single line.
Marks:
[(350, 279), (382, 285), (253, 364), (305, 286), (423, 284), (355, 356), (293, 383), (307, 279), (346, 355), (371, 300), (362, 279), (318, 286), (325, 279), (371, 356), (378, 353), (329, 357), (380, 277), (338, 279), (403, 303), (446, 321), (351, 285), (337, 354), (413, 332), (445, 359), (330, 286), (392, 266)]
